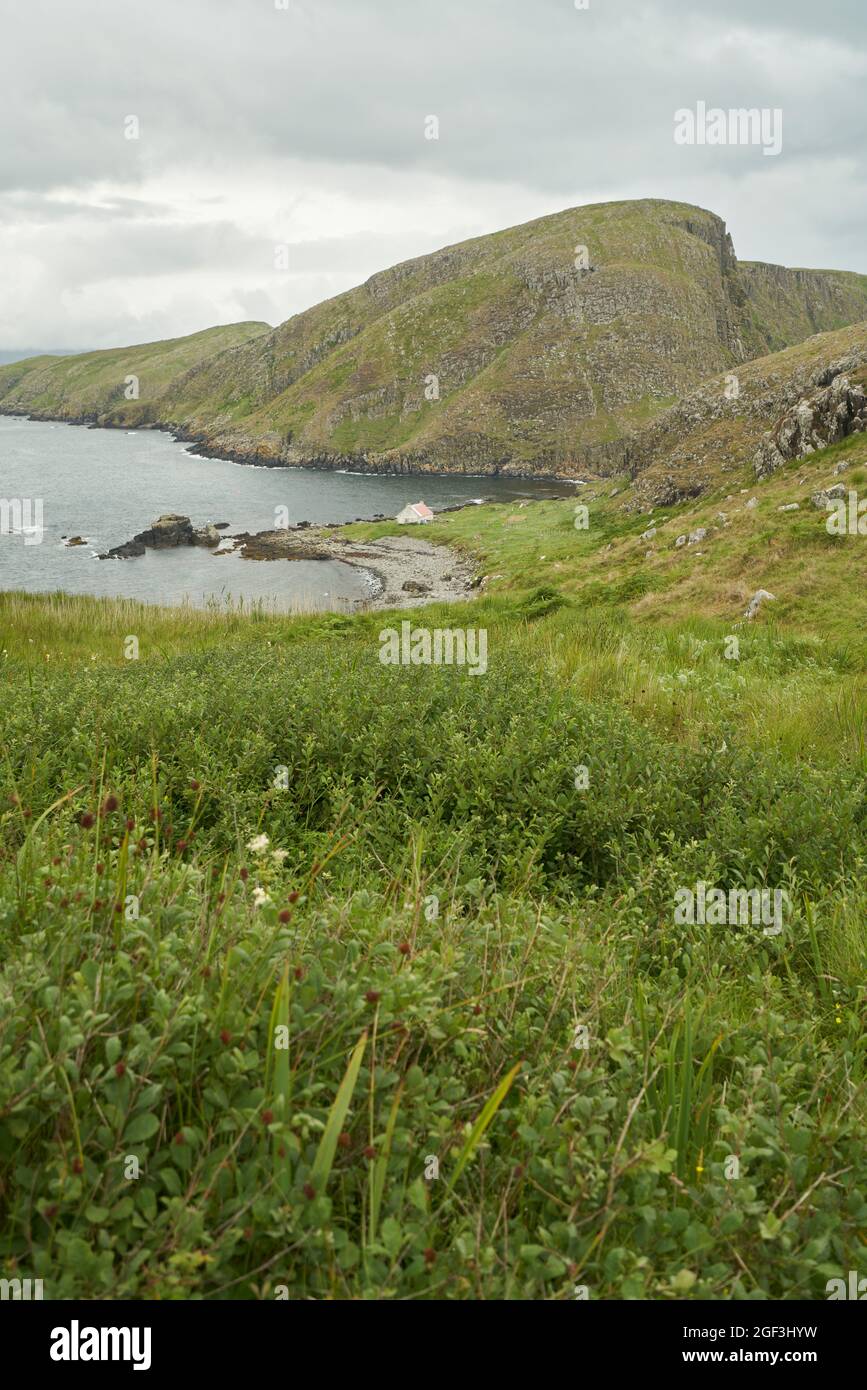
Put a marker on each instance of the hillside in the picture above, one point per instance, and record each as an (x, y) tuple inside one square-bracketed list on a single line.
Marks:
[(500, 354), (89, 386)]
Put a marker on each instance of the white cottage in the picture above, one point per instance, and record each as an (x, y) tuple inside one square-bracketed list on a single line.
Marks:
[(414, 512)]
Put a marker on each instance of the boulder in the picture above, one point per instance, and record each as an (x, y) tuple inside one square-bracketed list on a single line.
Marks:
[(823, 499), (759, 597)]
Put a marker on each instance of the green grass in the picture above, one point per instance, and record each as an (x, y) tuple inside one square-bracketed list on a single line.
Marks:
[(281, 1071)]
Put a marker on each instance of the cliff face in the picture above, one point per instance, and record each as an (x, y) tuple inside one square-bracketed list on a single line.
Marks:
[(545, 348)]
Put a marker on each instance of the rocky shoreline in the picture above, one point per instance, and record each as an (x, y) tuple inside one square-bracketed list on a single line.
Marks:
[(401, 571), (258, 455)]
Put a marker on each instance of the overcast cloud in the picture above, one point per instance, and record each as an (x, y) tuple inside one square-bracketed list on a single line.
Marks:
[(306, 126)]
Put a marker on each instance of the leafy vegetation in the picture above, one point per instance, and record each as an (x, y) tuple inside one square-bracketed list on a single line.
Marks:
[(257, 835)]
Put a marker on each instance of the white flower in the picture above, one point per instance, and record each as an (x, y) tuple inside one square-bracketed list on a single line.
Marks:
[(279, 855), (260, 897), (258, 844)]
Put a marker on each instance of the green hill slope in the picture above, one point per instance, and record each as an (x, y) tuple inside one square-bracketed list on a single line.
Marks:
[(90, 386), (512, 352)]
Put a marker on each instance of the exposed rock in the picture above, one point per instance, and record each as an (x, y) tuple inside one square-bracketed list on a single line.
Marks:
[(815, 421), (752, 504), (681, 540), (759, 597), (697, 535), (206, 535), (415, 586), (790, 507), (166, 532), (823, 499), (648, 534), (76, 540)]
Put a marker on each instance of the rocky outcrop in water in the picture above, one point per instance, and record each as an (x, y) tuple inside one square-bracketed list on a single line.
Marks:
[(167, 531)]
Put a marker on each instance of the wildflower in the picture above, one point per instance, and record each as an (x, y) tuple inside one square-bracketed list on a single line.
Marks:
[(279, 855), (260, 897), (258, 844)]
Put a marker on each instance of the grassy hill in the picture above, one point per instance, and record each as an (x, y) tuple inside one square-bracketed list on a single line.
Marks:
[(91, 386), (498, 354)]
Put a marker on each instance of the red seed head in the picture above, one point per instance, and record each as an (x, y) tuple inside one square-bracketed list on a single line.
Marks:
[(56, 859), (100, 868), (179, 1138), (85, 820), (27, 813), (225, 1037), (110, 804), (120, 1068), (243, 875), (50, 1211), (429, 1256), (294, 896), (194, 784), (130, 823), (97, 904), (344, 1140), (118, 907), (267, 1117), (78, 1165), (309, 1191), (143, 844), (477, 1009), (372, 996), (370, 1151), (298, 973), (64, 902), (182, 846), (284, 915), (206, 971), (404, 948)]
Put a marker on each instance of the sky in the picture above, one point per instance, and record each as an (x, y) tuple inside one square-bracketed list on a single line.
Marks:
[(156, 154)]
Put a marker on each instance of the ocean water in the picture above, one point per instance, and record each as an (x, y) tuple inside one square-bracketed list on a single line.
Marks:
[(106, 485)]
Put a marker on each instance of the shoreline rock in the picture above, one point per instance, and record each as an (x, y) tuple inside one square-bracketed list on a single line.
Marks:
[(169, 530)]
